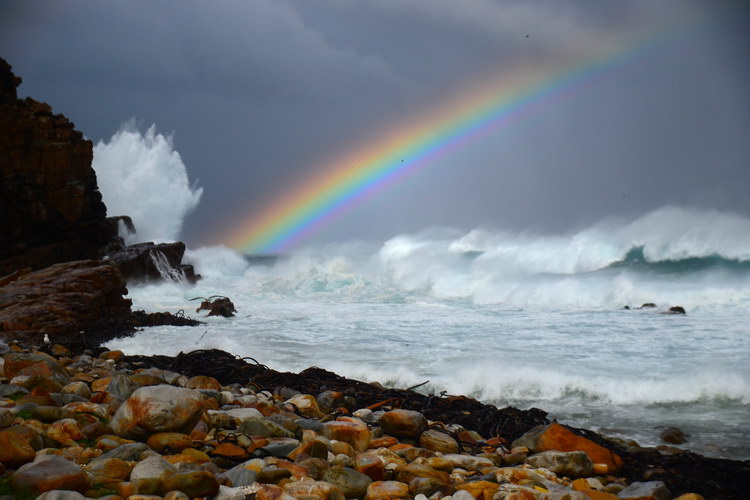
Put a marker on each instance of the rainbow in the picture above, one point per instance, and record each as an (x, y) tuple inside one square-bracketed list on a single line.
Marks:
[(361, 174)]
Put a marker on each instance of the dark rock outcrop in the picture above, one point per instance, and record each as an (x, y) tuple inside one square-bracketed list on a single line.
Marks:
[(50, 207), (220, 306), (153, 262), (61, 301)]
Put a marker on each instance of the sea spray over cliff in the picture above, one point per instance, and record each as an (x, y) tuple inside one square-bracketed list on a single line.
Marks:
[(141, 175)]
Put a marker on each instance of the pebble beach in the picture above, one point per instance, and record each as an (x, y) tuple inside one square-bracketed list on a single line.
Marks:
[(101, 426)]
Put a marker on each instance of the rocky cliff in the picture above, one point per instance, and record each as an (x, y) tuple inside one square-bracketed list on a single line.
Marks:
[(53, 221), (50, 208)]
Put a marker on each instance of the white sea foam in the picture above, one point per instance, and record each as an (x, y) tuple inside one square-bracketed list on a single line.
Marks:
[(141, 175)]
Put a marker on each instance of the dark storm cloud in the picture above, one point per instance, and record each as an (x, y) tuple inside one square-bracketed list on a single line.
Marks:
[(260, 92)]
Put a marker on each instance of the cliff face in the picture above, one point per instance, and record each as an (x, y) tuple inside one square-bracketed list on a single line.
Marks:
[(50, 207)]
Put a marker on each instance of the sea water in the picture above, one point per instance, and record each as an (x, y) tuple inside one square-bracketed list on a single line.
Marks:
[(510, 319)]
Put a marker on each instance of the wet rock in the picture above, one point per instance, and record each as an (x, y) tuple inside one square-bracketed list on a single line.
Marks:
[(314, 490), (148, 476), (259, 426), (428, 486), (220, 306), (306, 405), (562, 463), (352, 483), (675, 310), (385, 490), (370, 464), (21, 363), (153, 262), (479, 489), (403, 423), (436, 440), (203, 382), (65, 431), (61, 495), (108, 472), (272, 475), (673, 435), (15, 449), (241, 475), (652, 490), (348, 430), (47, 473), (6, 417), (556, 437), (172, 441), (160, 408), (193, 484), (129, 451), (410, 471), (78, 388)]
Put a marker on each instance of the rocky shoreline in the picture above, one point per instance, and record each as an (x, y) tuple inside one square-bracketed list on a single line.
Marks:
[(79, 421), (208, 424)]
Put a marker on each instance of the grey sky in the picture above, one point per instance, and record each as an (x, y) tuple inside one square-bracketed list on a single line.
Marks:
[(259, 92)]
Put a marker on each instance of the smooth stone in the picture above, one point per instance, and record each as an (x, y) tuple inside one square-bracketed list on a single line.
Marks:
[(15, 449), (203, 382), (47, 473), (468, 462), (479, 489), (7, 416), (370, 464), (20, 363), (78, 388), (673, 435), (108, 472), (313, 490), (148, 475), (160, 408), (556, 437), (258, 426), (272, 475), (429, 486), (130, 452), (193, 484), (352, 483), (174, 441), (231, 451), (409, 472), (241, 476), (121, 386), (306, 405), (385, 490), (280, 447), (12, 390), (651, 490), (562, 463), (311, 425), (244, 413), (352, 431), (61, 495), (403, 423), (65, 431), (462, 495), (176, 495), (435, 440)]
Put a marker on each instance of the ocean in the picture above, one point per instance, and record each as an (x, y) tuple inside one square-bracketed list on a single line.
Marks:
[(521, 319)]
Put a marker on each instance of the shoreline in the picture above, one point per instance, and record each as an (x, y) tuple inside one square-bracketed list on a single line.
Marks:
[(487, 430)]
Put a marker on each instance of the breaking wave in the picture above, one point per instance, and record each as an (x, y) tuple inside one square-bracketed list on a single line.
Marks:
[(141, 175)]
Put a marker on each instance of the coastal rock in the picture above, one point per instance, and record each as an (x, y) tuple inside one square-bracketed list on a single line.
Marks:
[(562, 463), (148, 262), (61, 301), (314, 490), (348, 430), (148, 476), (49, 472), (652, 490), (386, 490), (673, 435), (158, 408), (32, 364), (403, 423), (61, 495), (51, 210), (436, 440), (556, 437), (171, 441), (220, 306), (352, 483), (15, 449), (194, 484)]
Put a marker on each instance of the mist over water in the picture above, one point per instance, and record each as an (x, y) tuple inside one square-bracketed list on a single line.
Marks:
[(510, 318)]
